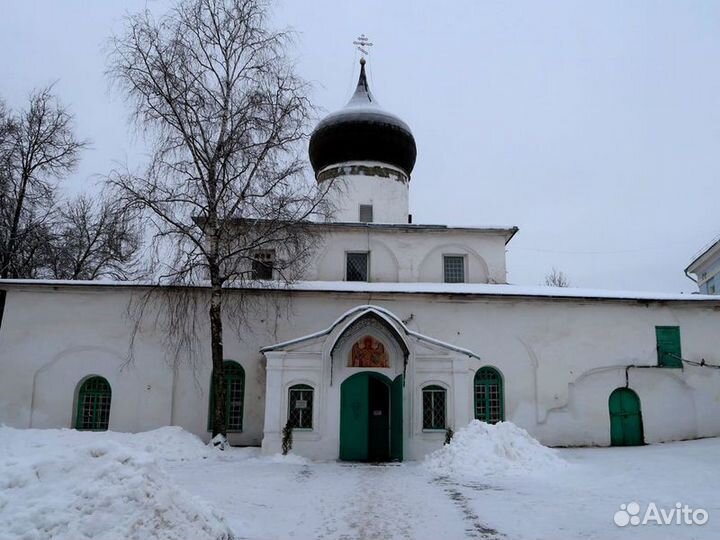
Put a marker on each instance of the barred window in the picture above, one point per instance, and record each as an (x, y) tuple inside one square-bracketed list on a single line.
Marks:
[(489, 405), (366, 213), (234, 396), (93, 405), (433, 398), (263, 264), (357, 266), (301, 406), (454, 268)]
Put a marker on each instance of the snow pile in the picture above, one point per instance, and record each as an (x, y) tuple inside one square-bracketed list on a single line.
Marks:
[(68, 485), (171, 443), (482, 449)]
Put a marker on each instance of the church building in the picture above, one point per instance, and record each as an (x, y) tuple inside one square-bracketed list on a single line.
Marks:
[(397, 333)]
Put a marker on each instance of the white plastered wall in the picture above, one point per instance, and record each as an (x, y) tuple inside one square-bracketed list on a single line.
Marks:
[(408, 256), (387, 195), (560, 360)]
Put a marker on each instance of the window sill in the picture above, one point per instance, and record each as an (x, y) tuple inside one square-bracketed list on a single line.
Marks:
[(434, 430)]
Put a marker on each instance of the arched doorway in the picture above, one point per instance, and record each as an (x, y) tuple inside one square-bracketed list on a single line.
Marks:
[(371, 418), (626, 428)]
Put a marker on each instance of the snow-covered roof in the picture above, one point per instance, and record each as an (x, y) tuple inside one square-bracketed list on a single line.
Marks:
[(460, 289), (420, 227), (360, 311), (705, 255), (507, 231)]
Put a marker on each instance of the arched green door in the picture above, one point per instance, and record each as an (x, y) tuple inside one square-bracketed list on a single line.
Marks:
[(370, 418), (626, 427)]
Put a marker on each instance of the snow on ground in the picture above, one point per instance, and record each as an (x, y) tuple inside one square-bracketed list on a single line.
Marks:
[(480, 450), (581, 500), (65, 484), (114, 486), (280, 499)]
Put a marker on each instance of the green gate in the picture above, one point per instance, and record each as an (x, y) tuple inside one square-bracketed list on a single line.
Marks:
[(626, 428), (359, 424)]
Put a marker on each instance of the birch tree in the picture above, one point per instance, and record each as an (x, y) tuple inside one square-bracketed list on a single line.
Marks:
[(215, 93)]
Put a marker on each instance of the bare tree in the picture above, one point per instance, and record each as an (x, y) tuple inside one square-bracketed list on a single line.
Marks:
[(211, 85), (93, 238), (557, 278), (37, 147)]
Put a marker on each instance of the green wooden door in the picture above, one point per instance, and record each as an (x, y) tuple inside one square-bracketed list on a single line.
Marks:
[(354, 418), (626, 427), (396, 419)]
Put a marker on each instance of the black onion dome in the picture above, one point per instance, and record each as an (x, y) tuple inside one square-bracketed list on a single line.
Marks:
[(362, 131)]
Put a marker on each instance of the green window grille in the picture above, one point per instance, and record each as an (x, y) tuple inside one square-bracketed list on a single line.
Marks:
[(489, 406), (234, 396), (434, 398), (669, 353), (93, 405), (300, 403)]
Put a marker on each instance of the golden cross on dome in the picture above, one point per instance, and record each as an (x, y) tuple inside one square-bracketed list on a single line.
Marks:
[(363, 44)]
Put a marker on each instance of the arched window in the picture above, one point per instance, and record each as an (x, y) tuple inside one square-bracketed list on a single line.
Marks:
[(234, 396), (300, 406), (93, 405), (489, 405), (433, 404)]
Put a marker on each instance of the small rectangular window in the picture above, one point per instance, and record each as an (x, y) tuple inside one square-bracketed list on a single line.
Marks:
[(366, 213), (454, 268), (669, 353), (263, 264), (433, 398), (357, 266), (301, 406)]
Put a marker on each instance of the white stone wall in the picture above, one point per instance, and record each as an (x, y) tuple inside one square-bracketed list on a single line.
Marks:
[(407, 255), (388, 196), (560, 360)]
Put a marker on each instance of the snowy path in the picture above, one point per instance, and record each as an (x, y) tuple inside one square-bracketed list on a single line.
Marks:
[(332, 501)]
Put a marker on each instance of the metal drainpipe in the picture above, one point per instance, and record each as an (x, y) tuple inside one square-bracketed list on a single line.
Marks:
[(627, 369), (687, 274)]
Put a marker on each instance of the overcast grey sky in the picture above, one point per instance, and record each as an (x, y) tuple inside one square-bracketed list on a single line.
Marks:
[(594, 127)]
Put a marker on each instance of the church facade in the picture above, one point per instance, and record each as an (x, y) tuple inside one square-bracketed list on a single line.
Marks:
[(399, 332)]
